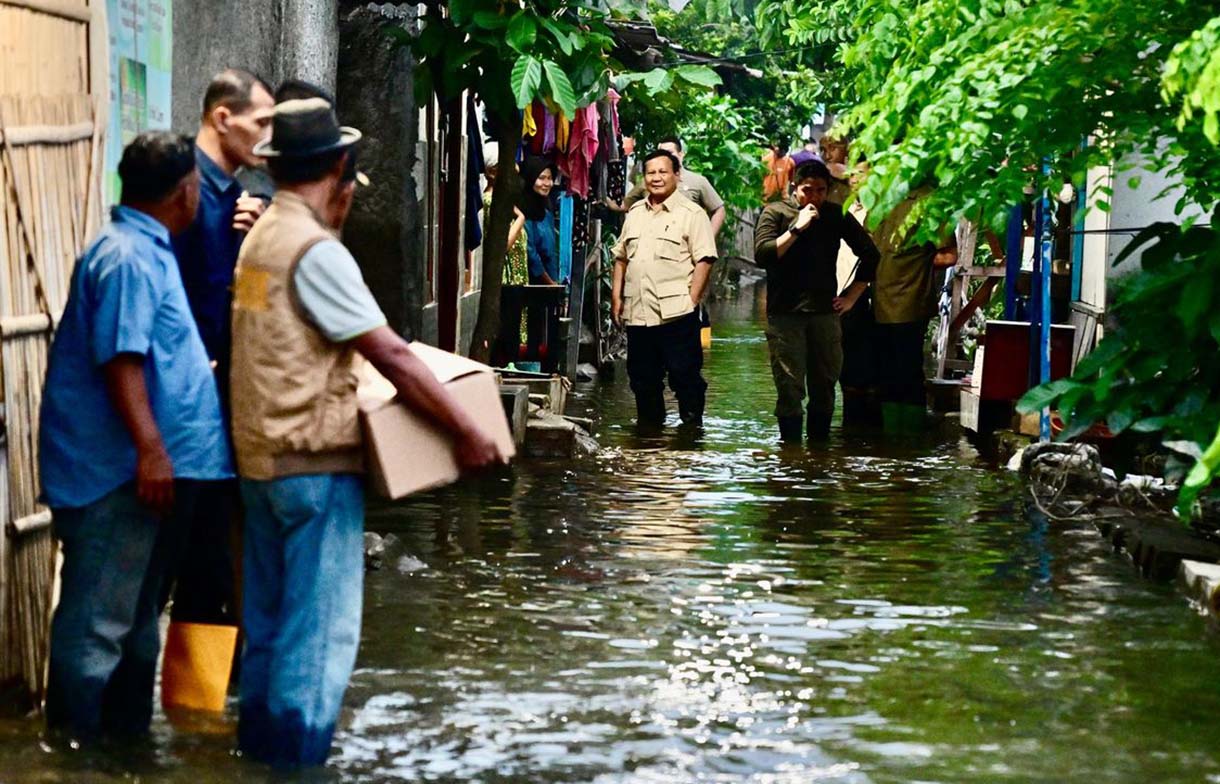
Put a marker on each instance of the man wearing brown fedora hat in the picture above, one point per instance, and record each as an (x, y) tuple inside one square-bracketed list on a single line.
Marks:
[(301, 314)]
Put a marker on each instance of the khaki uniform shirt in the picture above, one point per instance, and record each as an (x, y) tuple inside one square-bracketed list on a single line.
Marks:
[(691, 185), (661, 247), (905, 289)]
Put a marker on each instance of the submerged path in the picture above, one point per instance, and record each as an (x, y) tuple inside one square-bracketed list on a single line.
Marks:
[(721, 611)]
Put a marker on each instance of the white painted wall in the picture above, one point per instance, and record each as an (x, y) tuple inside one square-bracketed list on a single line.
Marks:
[(1134, 208)]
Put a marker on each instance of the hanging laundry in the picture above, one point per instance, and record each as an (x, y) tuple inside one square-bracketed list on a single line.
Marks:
[(613, 154), (475, 168), (539, 112), (565, 238), (613, 97), (528, 128), (581, 150), (548, 133), (563, 130)]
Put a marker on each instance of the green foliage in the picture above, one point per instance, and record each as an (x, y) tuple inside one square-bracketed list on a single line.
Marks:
[(510, 55), (720, 137), (1192, 72), (976, 96), (721, 143), (778, 95), (1204, 471)]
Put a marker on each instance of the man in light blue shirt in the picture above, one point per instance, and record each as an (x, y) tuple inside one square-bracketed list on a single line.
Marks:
[(130, 429)]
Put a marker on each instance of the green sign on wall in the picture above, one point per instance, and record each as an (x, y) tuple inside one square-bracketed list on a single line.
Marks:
[(141, 70)]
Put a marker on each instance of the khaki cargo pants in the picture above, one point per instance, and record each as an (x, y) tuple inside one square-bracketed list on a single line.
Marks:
[(806, 353)]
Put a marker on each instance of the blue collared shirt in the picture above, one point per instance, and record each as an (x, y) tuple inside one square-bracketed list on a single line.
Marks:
[(207, 256), (127, 298)]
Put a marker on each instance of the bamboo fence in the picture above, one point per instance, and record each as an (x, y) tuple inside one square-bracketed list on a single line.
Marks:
[(50, 204)]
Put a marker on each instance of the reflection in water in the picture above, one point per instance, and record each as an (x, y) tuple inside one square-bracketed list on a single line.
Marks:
[(717, 609)]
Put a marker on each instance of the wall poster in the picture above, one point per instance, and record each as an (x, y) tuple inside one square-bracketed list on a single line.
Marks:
[(141, 68)]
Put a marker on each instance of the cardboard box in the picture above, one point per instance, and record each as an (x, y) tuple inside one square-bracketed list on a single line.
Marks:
[(407, 454)]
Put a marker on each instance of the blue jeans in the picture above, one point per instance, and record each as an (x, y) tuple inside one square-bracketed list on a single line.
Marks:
[(118, 557), (303, 574)]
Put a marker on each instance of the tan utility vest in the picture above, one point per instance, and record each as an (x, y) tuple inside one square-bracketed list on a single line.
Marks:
[(293, 392)]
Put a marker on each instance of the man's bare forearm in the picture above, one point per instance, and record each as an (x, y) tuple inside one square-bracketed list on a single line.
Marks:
[(698, 284), (619, 275), (717, 221), (128, 391), (784, 243), (856, 289)]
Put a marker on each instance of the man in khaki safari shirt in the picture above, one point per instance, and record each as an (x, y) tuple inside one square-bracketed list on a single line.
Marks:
[(662, 264)]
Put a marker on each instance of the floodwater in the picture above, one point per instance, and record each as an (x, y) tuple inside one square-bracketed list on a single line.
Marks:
[(720, 610)]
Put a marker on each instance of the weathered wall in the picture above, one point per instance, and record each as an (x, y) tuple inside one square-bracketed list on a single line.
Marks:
[(1132, 209), (375, 94), (276, 39), (340, 44)]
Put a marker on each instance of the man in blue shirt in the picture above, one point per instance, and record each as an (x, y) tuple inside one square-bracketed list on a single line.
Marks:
[(236, 115), (130, 428)]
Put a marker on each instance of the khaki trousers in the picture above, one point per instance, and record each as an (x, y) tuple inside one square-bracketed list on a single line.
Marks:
[(806, 354)]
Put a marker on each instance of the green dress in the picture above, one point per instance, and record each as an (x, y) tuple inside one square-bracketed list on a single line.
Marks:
[(516, 265)]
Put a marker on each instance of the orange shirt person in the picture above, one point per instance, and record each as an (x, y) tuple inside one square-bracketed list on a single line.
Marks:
[(779, 172)]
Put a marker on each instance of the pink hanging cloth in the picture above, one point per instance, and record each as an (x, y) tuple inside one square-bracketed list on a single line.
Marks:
[(548, 133), (581, 150)]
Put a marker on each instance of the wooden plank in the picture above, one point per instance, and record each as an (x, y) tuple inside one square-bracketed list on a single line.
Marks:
[(62, 8), (1089, 310), (32, 523), (985, 272), (46, 134), (22, 221), (980, 298), (19, 326)]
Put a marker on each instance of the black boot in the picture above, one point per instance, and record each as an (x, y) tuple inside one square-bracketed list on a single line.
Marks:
[(650, 411), (691, 414), (790, 429), (819, 426)]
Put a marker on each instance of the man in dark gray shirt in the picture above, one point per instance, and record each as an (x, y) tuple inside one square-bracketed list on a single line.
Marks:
[(797, 243)]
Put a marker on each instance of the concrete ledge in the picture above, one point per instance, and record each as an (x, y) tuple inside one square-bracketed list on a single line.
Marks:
[(1201, 581), (515, 398), (549, 435), (1158, 546)]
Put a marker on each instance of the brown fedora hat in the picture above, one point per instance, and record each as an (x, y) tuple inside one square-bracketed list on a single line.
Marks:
[(304, 128)]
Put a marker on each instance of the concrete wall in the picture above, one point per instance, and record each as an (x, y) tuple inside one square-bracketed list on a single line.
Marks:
[(342, 45), (468, 315), (1132, 209), (276, 39), (385, 231)]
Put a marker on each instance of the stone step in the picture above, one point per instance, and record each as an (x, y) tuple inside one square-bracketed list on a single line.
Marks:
[(1201, 581), (516, 401), (1158, 546)]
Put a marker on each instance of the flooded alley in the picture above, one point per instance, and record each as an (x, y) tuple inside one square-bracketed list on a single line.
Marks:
[(719, 610)]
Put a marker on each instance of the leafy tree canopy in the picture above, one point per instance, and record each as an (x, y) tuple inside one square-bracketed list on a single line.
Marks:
[(976, 96)]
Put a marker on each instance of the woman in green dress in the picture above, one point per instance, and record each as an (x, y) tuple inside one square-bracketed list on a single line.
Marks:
[(516, 261), (516, 264)]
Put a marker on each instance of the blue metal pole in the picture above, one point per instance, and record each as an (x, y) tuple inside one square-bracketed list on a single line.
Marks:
[(1012, 261), (1033, 309), (1044, 341)]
